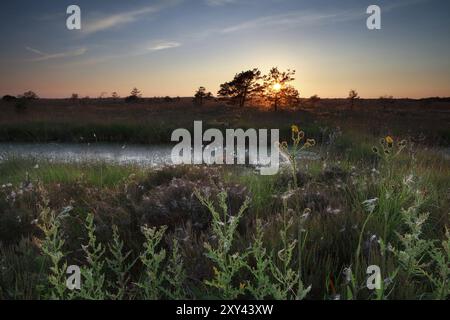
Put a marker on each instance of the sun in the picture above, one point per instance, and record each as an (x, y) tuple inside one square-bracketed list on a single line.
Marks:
[(277, 87)]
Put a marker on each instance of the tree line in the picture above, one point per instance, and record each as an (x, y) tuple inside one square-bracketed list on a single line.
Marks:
[(274, 89)]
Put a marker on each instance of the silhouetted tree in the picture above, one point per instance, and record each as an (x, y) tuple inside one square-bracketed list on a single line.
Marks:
[(30, 95), (277, 89), (244, 86), (74, 96), (352, 97), (136, 93), (115, 96), (134, 96), (201, 95)]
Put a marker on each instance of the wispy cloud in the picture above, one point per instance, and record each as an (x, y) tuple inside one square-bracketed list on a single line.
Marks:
[(119, 19), (292, 19), (163, 45), (42, 56), (216, 3), (309, 18)]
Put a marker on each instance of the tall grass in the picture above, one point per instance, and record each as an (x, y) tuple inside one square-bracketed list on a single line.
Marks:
[(307, 234)]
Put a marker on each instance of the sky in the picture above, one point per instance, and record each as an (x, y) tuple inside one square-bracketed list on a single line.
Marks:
[(171, 47)]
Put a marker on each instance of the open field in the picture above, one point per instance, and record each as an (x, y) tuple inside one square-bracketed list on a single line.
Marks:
[(297, 236), (152, 120)]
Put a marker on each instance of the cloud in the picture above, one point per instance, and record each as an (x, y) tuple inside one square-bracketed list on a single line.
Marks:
[(163, 45), (123, 18), (216, 3), (42, 56), (311, 18), (298, 18), (116, 20)]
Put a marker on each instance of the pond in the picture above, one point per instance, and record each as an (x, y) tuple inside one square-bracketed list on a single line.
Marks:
[(141, 155)]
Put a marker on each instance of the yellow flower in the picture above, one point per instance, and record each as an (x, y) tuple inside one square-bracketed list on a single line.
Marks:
[(389, 140), (242, 285), (294, 128)]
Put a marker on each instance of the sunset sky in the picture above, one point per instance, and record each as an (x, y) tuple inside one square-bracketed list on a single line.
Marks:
[(171, 47)]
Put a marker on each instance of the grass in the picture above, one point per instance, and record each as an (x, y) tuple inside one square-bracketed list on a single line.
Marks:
[(308, 232), (95, 174)]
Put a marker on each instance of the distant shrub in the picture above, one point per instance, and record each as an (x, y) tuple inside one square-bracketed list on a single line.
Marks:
[(8, 98), (313, 100), (131, 99), (31, 95)]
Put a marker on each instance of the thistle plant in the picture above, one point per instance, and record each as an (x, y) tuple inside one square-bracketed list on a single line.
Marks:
[(151, 283), (291, 154), (227, 264), (388, 151)]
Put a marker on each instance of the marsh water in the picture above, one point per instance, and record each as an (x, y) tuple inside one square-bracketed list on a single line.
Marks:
[(122, 154)]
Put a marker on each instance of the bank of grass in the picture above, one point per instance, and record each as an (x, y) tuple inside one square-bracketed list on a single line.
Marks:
[(97, 174), (41, 132), (358, 207)]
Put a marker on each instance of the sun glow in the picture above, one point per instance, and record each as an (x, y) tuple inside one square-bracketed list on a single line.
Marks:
[(277, 87)]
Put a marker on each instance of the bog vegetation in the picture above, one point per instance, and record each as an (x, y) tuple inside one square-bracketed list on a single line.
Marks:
[(197, 232), (377, 195)]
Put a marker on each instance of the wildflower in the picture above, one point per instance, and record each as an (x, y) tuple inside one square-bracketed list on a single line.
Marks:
[(408, 180), (389, 141), (295, 129), (370, 204), (306, 213)]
